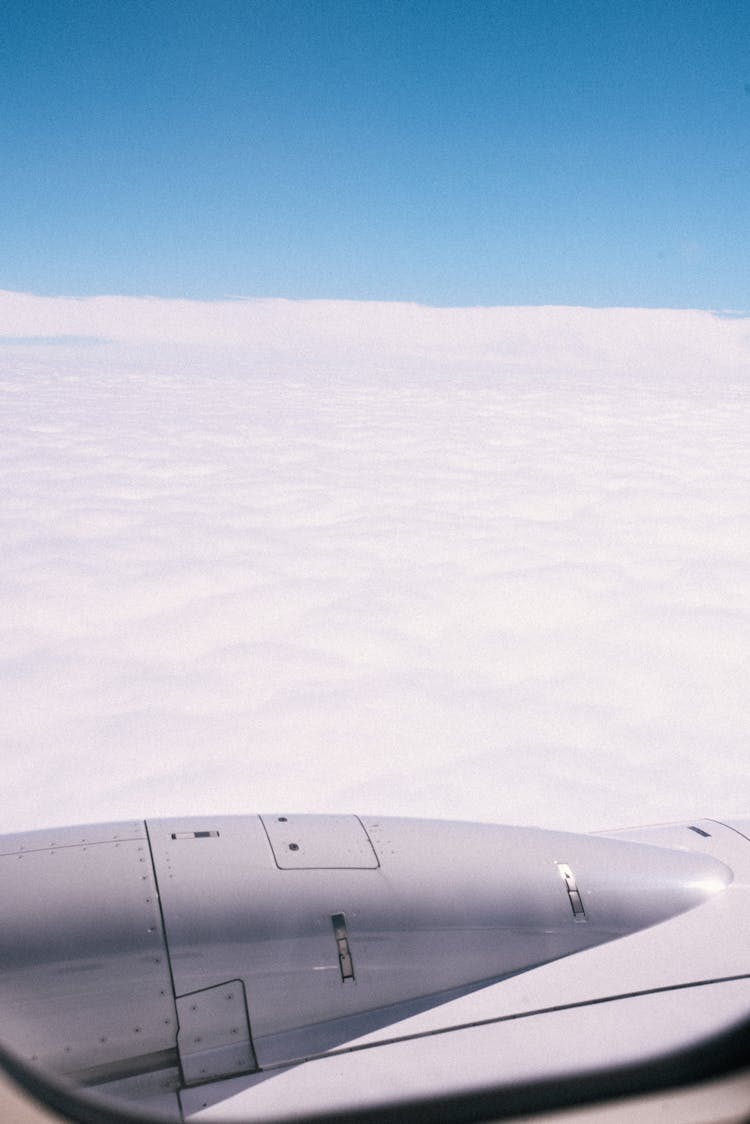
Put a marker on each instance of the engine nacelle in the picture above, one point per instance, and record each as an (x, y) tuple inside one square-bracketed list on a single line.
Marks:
[(209, 947)]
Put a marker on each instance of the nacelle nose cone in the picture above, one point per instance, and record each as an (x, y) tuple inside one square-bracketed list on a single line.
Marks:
[(631, 886)]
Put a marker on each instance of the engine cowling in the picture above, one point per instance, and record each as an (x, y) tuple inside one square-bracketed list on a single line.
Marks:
[(181, 951)]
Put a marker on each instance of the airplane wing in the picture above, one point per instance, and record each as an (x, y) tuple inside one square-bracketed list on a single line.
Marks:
[(276, 966)]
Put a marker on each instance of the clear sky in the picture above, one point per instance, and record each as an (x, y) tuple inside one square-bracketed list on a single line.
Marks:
[(452, 153)]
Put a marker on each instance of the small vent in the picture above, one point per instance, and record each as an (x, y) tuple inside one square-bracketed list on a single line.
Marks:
[(700, 831), (195, 835)]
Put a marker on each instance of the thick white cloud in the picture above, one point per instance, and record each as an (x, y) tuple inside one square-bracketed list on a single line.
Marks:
[(488, 563), (574, 339)]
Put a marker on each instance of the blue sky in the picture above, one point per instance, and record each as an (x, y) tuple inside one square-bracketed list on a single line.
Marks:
[(448, 153)]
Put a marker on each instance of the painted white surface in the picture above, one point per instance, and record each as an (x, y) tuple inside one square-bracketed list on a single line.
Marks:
[(487, 564)]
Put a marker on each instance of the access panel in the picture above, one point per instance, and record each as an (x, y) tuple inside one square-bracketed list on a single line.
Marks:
[(319, 842), (214, 1038)]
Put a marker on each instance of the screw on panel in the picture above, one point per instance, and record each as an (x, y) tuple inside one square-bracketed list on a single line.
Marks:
[(294, 846)]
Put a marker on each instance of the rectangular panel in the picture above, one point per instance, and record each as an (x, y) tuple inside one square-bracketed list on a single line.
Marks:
[(310, 842), (85, 979), (214, 1037)]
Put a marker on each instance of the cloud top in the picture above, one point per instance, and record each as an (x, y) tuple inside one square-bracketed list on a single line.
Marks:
[(556, 337)]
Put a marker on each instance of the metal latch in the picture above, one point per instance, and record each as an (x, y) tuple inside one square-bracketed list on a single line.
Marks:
[(342, 944), (574, 894)]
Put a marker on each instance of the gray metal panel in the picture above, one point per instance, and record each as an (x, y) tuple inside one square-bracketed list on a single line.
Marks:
[(307, 842), (155, 1093), (214, 1036), (85, 981)]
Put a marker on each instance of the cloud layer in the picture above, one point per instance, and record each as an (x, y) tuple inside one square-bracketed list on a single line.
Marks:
[(487, 563)]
